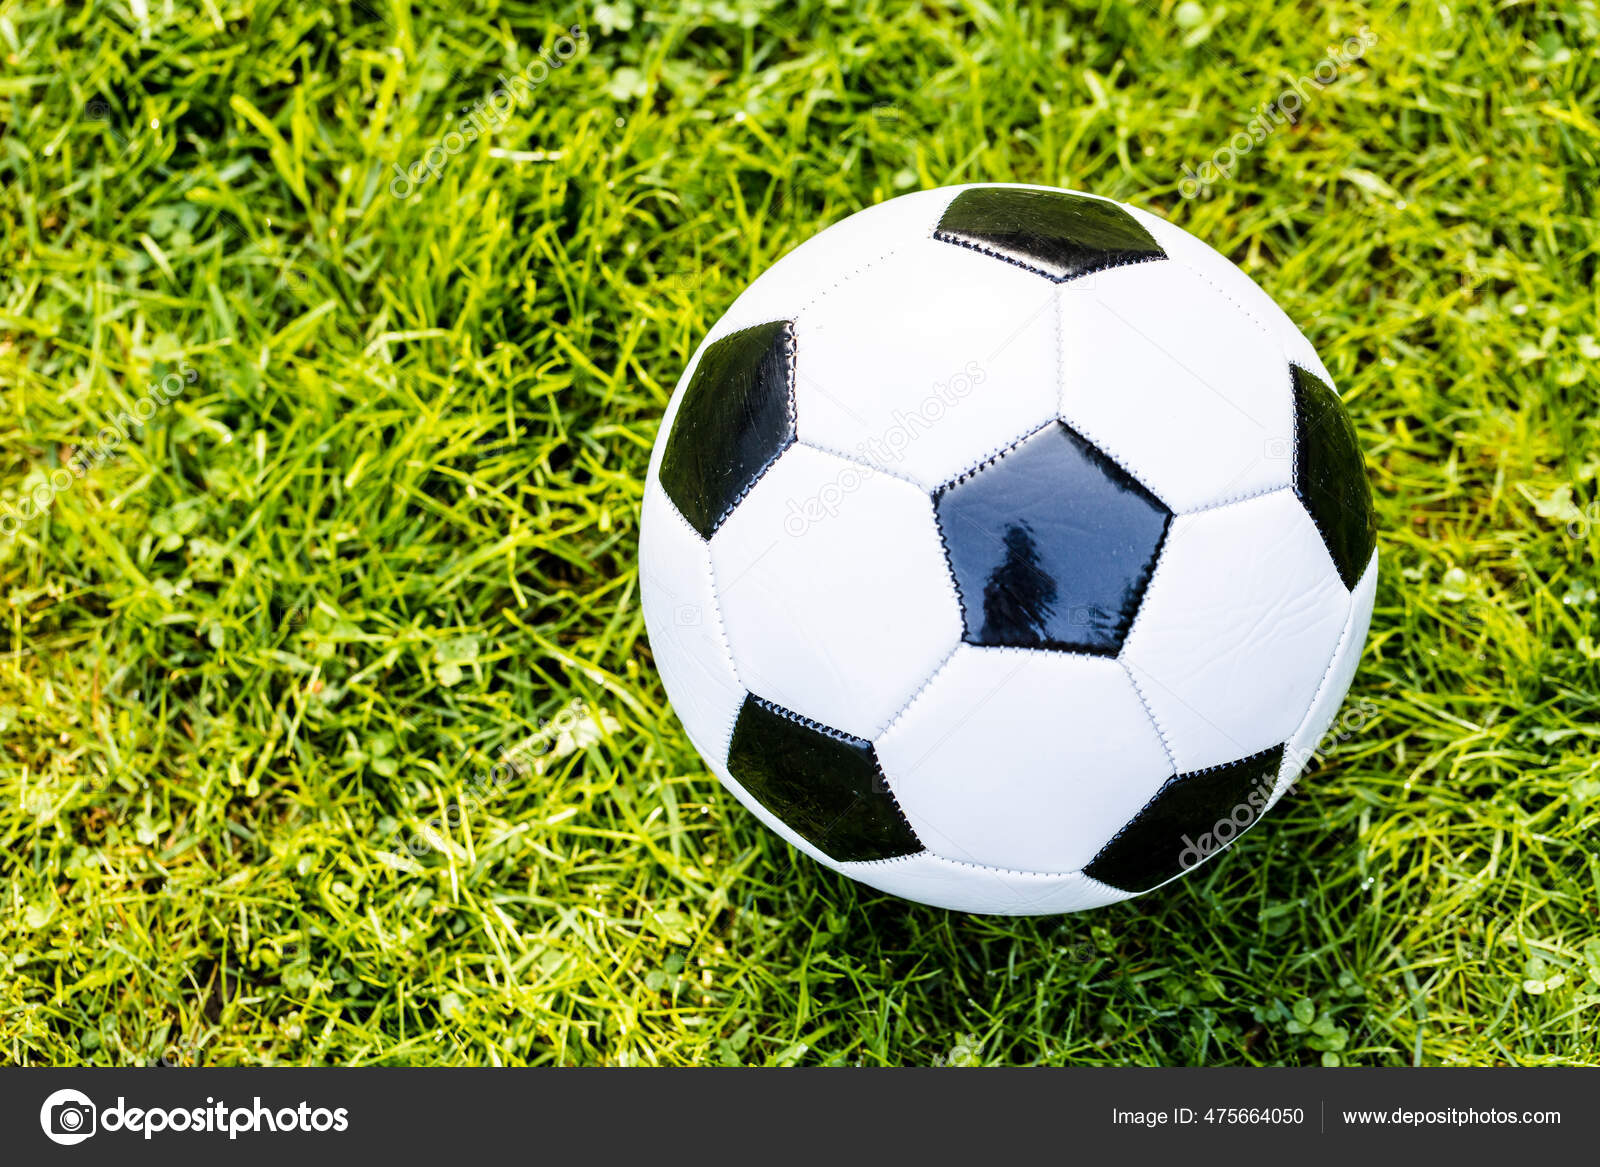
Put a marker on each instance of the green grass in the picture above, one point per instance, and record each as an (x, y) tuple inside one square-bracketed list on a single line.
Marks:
[(389, 531)]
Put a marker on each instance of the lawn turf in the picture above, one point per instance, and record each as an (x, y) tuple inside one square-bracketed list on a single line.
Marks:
[(252, 659)]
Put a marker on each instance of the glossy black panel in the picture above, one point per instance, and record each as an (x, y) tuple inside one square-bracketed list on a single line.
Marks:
[(824, 784), (1056, 234), (736, 417), (1051, 545), (1190, 817), (1329, 476)]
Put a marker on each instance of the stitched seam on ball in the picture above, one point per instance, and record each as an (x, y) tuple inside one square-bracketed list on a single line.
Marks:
[(813, 444), (1212, 769), (1305, 503), (1108, 265), (950, 568), (838, 735), (989, 867), (1105, 448), (883, 780), (984, 867), (1327, 673), (1133, 818), (722, 635), (999, 452), (1327, 541), (949, 578), (794, 361), (727, 511), (716, 601), (1082, 431), (1200, 773), (1223, 292), (1061, 354), (672, 506), (933, 231), (657, 455), (934, 496), (1237, 499), (851, 739), (1037, 650), (1155, 722), (949, 575), (921, 689), (927, 496), (1150, 586), (1294, 443), (846, 278)]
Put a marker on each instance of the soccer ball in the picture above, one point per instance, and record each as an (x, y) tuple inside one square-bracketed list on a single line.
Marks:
[(1006, 549)]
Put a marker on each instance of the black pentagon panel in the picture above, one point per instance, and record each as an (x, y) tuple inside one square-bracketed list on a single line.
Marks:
[(1051, 545), (824, 784), (737, 416), (1192, 816), (1329, 476), (1056, 234)]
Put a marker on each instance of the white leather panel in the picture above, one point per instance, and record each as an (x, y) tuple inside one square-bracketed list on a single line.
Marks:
[(834, 590), (833, 256), (1312, 739), (1176, 384), (1231, 282), (681, 615), (927, 361), (1236, 630), (962, 887), (1024, 759)]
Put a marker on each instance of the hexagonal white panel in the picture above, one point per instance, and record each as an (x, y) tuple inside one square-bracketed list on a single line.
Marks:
[(963, 887), (1236, 629), (834, 590), (1172, 380), (827, 259), (1023, 759), (927, 361), (1311, 738), (1231, 282), (681, 616), (802, 275)]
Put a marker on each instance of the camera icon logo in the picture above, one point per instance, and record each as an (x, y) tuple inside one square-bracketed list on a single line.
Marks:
[(68, 1117)]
